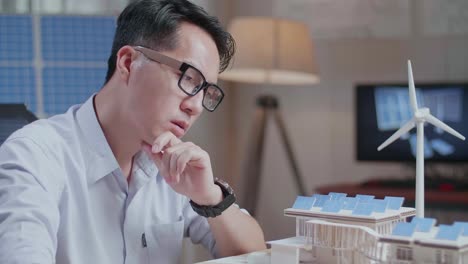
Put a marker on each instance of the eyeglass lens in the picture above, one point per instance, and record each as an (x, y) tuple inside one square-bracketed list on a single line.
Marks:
[(191, 82)]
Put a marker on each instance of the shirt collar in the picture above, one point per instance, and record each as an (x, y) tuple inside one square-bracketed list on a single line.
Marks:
[(101, 160), (147, 165)]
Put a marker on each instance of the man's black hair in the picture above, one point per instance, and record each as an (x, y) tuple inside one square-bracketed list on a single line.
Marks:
[(154, 24)]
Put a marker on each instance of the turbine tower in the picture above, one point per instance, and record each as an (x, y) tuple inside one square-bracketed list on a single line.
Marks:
[(420, 116)]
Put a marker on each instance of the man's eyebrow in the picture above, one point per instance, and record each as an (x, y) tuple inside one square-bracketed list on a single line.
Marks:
[(194, 65), (191, 63), (188, 61)]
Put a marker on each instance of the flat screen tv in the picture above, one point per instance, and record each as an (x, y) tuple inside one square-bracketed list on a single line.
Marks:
[(382, 108)]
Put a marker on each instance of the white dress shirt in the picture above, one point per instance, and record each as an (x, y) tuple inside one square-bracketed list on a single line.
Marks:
[(64, 199)]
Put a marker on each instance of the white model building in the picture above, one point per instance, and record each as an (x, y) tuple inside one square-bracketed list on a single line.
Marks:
[(335, 228)]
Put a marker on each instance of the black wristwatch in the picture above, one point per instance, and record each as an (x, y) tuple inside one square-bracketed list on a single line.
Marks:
[(215, 210)]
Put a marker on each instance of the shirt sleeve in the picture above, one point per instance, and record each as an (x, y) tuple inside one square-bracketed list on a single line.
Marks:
[(29, 214), (198, 229)]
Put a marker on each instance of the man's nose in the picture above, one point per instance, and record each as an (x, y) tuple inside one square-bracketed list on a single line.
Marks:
[(193, 105)]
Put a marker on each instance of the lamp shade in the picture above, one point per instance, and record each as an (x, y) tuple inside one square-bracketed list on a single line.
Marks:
[(271, 51)]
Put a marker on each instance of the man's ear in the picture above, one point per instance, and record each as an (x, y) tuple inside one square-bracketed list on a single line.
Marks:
[(125, 56)]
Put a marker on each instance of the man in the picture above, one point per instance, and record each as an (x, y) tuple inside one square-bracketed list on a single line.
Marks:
[(111, 181)]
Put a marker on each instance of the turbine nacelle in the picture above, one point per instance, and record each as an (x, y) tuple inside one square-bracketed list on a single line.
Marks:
[(421, 114)]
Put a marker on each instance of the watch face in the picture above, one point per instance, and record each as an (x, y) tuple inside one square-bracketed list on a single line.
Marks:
[(226, 186)]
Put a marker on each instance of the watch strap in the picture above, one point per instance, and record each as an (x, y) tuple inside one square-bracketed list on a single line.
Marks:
[(218, 209)]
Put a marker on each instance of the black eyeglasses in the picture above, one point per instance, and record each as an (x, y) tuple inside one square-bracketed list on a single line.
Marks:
[(191, 80)]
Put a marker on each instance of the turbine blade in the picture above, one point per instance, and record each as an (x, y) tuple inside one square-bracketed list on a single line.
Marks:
[(404, 129), (436, 122), (412, 89)]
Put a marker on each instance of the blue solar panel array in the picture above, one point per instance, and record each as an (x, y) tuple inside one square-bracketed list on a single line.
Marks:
[(17, 79), (16, 38), (17, 85), (74, 52), (64, 87), (425, 225), (363, 205), (77, 38)]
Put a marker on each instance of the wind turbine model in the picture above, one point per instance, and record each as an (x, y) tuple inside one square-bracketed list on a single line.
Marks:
[(420, 116)]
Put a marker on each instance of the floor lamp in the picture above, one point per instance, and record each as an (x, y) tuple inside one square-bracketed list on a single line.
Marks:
[(276, 52)]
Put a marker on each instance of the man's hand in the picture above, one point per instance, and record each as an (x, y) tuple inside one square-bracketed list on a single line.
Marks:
[(185, 167)]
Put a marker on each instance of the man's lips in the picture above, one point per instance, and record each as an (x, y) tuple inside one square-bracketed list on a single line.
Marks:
[(180, 127)]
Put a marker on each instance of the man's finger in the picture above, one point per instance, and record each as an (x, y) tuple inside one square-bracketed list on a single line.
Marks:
[(182, 161), (165, 140), (156, 157), (174, 155)]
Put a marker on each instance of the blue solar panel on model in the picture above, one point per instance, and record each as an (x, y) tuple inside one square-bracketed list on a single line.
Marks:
[(379, 205), (423, 224), (303, 203), (394, 203), (64, 87), (336, 196), (364, 197), (449, 232), (363, 209), (404, 229), (17, 85), (320, 199), (332, 206), (349, 203), (16, 38), (77, 38), (463, 226)]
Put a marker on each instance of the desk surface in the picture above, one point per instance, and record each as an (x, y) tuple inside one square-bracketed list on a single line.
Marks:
[(259, 257)]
